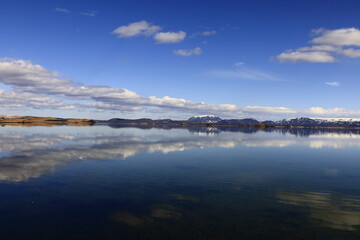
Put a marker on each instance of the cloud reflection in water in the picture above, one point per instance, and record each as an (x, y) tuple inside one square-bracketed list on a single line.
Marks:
[(326, 209), (28, 154)]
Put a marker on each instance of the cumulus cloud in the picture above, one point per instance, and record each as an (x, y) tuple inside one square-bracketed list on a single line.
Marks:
[(10, 99), (147, 29), (338, 37), (327, 44), (333, 112), (315, 56), (170, 37), (319, 48), (333, 84), (34, 86), (350, 52), (188, 52), (136, 28), (27, 78), (62, 10)]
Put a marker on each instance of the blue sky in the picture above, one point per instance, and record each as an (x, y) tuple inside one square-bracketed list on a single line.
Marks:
[(175, 59)]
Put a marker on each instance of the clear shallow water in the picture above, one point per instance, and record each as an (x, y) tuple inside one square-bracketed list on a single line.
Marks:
[(128, 183)]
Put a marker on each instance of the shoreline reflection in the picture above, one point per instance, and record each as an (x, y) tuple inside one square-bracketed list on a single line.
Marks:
[(27, 154)]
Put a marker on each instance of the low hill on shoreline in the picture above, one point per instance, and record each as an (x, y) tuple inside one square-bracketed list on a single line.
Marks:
[(45, 121)]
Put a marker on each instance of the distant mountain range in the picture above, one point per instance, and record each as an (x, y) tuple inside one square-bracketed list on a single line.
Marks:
[(295, 122), (205, 119), (212, 120), (310, 122), (197, 121)]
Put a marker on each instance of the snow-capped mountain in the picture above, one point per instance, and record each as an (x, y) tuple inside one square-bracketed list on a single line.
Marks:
[(205, 119), (310, 122)]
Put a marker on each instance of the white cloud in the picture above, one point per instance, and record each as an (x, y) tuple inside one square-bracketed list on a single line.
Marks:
[(170, 37), (136, 28), (146, 29), (316, 56), (62, 10), (33, 86), (9, 99), (333, 112), (267, 110), (327, 45), (25, 77), (318, 48), (188, 52), (89, 13), (338, 37), (333, 84), (350, 52)]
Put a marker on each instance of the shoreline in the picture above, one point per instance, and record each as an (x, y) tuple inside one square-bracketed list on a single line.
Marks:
[(51, 121)]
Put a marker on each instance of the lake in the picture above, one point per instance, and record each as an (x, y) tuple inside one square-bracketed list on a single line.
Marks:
[(116, 182)]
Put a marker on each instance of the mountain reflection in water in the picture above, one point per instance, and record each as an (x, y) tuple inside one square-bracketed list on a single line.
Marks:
[(182, 183), (29, 153)]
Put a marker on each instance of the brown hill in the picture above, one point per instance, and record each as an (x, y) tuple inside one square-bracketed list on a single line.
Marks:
[(44, 121)]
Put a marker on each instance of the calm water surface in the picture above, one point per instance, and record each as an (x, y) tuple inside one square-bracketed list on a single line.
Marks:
[(128, 183)]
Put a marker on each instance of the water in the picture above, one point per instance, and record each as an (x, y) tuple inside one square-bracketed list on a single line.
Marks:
[(129, 183)]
